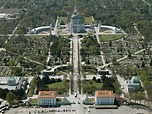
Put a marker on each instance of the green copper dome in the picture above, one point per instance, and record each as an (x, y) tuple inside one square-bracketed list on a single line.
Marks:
[(75, 16), (11, 79)]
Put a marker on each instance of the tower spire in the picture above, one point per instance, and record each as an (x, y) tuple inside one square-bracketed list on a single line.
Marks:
[(75, 9)]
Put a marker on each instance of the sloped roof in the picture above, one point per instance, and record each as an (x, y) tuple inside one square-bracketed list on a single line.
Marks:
[(11, 79), (104, 93), (47, 94)]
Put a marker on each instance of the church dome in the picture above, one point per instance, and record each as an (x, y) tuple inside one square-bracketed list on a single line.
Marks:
[(135, 79), (11, 81), (75, 16)]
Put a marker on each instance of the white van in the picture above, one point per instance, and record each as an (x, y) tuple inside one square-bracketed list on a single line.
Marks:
[(75, 94)]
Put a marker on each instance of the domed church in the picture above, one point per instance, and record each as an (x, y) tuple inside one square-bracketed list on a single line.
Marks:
[(76, 25), (11, 81)]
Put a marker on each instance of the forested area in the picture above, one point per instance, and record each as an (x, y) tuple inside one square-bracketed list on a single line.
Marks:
[(122, 14), (59, 49), (12, 96), (37, 84), (90, 47)]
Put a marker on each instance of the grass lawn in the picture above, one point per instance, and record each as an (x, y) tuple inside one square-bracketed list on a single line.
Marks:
[(91, 86), (66, 36), (60, 87), (30, 92), (63, 72), (64, 19), (88, 20), (108, 37), (36, 36), (89, 70), (57, 85), (89, 73), (33, 101)]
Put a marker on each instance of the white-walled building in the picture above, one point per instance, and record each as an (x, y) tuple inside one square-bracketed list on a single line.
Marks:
[(2, 15), (11, 81), (133, 84), (104, 97), (47, 98), (76, 26)]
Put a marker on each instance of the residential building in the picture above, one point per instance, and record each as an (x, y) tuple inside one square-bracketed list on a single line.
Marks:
[(133, 84), (104, 97), (47, 98)]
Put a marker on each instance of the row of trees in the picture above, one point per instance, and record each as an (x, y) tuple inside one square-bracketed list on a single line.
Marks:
[(118, 13), (39, 84), (60, 49), (89, 47), (89, 86), (21, 46), (12, 96), (6, 27), (106, 83), (145, 77)]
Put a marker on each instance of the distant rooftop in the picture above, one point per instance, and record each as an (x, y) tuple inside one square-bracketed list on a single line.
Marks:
[(134, 81), (104, 93), (8, 87), (47, 94), (2, 15), (3, 80), (10, 10), (11, 78)]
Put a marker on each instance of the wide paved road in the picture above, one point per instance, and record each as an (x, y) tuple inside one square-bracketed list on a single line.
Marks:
[(75, 64)]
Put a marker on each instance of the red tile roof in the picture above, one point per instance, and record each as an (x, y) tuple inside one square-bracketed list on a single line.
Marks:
[(47, 94), (104, 93)]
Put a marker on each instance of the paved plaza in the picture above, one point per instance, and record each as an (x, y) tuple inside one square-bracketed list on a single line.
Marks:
[(75, 109)]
